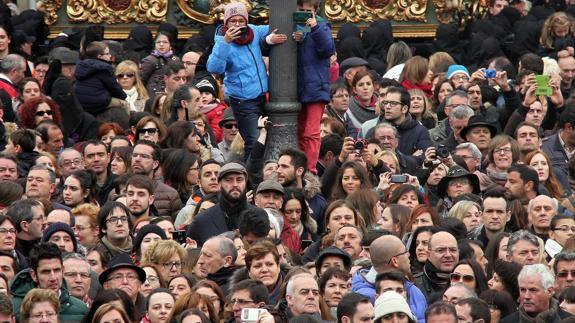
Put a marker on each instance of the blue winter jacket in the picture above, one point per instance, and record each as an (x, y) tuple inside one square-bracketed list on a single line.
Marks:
[(314, 54), (361, 285), (243, 66)]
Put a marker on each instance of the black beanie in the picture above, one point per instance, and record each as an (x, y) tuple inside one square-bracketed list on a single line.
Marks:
[(60, 226), (148, 228)]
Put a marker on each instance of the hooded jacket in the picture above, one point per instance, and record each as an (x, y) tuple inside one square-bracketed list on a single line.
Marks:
[(314, 54), (413, 135), (360, 283), (71, 308), (96, 85), (243, 65)]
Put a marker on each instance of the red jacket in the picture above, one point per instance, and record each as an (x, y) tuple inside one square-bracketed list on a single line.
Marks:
[(214, 117)]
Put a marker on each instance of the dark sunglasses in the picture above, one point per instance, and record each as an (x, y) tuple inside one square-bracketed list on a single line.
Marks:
[(129, 75), (565, 274), (42, 113), (148, 130), (455, 277), (230, 126)]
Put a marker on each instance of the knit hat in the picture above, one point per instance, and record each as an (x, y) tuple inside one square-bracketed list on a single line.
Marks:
[(60, 226), (454, 69), (206, 86), (391, 302), (148, 228), (235, 9)]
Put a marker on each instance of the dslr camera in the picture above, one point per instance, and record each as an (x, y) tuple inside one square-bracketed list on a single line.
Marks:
[(360, 144), (441, 151)]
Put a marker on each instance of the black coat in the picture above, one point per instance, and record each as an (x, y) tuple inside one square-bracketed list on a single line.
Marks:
[(96, 85), (559, 159)]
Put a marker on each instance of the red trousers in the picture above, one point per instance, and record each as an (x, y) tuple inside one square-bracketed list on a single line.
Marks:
[(309, 120)]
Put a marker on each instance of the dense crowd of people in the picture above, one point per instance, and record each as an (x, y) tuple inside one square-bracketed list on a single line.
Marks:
[(433, 183)]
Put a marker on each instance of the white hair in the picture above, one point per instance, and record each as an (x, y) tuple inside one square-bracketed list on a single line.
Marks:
[(291, 282), (538, 270)]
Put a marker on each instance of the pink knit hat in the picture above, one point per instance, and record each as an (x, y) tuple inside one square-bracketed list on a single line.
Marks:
[(235, 9)]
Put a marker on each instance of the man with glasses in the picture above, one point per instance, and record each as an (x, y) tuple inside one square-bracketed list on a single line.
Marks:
[(115, 226), (459, 118), (562, 228), (190, 60), (389, 255), (247, 293), (339, 105), (413, 135), (541, 210), (28, 217), (564, 269), (443, 255), (146, 159), (70, 160), (523, 248), (78, 277), (97, 158), (443, 129), (46, 272), (123, 274)]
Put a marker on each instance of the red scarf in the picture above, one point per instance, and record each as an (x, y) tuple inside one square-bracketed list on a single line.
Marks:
[(426, 88), (243, 40)]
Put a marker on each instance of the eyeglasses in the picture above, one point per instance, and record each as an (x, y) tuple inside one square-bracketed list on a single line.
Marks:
[(127, 75), (4, 231), (230, 125), (390, 103), (117, 219), (565, 274), (73, 274), (456, 277), (119, 277), (444, 250), (80, 228), (564, 229), (460, 78), (170, 265), (39, 316), (151, 131), (42, 113), (152, 279), (69, 163), (241, 302), (399, 254), (501, 150)]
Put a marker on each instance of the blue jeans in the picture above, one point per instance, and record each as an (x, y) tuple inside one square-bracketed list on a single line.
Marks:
[(247, 113)]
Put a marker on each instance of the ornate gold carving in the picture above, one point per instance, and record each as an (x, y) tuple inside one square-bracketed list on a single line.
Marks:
[(115, 12), (212, 11), (370, 10), (466, 9), (52, 7)]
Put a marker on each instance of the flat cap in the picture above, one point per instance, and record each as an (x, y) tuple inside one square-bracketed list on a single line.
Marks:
[(270, 185), (230, 168)]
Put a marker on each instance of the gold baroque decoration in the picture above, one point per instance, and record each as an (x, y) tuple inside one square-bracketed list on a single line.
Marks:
[(216, 10), (371, 10), (52, 7), (117, 11)]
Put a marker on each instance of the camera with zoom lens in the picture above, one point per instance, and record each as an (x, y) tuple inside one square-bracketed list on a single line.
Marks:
[(360, 144), (441, 151)]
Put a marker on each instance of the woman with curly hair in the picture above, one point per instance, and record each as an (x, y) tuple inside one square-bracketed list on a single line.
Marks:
[(39, 109)]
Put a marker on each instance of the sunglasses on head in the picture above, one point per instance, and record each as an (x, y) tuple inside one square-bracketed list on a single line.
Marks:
[(230, 126), (129, 75), (148, 130), (455, 277), (42, 113)]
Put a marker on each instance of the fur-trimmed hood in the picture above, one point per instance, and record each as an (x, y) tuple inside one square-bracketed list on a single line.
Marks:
[(311, 186)]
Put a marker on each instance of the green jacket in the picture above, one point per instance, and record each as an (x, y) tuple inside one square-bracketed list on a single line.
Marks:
[(71, 308)]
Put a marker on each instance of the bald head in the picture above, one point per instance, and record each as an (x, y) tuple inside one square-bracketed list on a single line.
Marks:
[(383, 248), (443, 251), (541, 210)]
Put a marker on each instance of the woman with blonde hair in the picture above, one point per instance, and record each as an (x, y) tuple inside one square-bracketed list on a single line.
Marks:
[(420, 108), (468, 212), (556, 40), (86, 228), (39, 304), (168, 256), (128, 75)]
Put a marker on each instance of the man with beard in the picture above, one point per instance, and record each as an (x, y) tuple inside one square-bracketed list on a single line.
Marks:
[(528, 140), (292, 173), (140, 197), (96, 159), (225, 215), (522, 183), (146, 159), (560, 146)]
